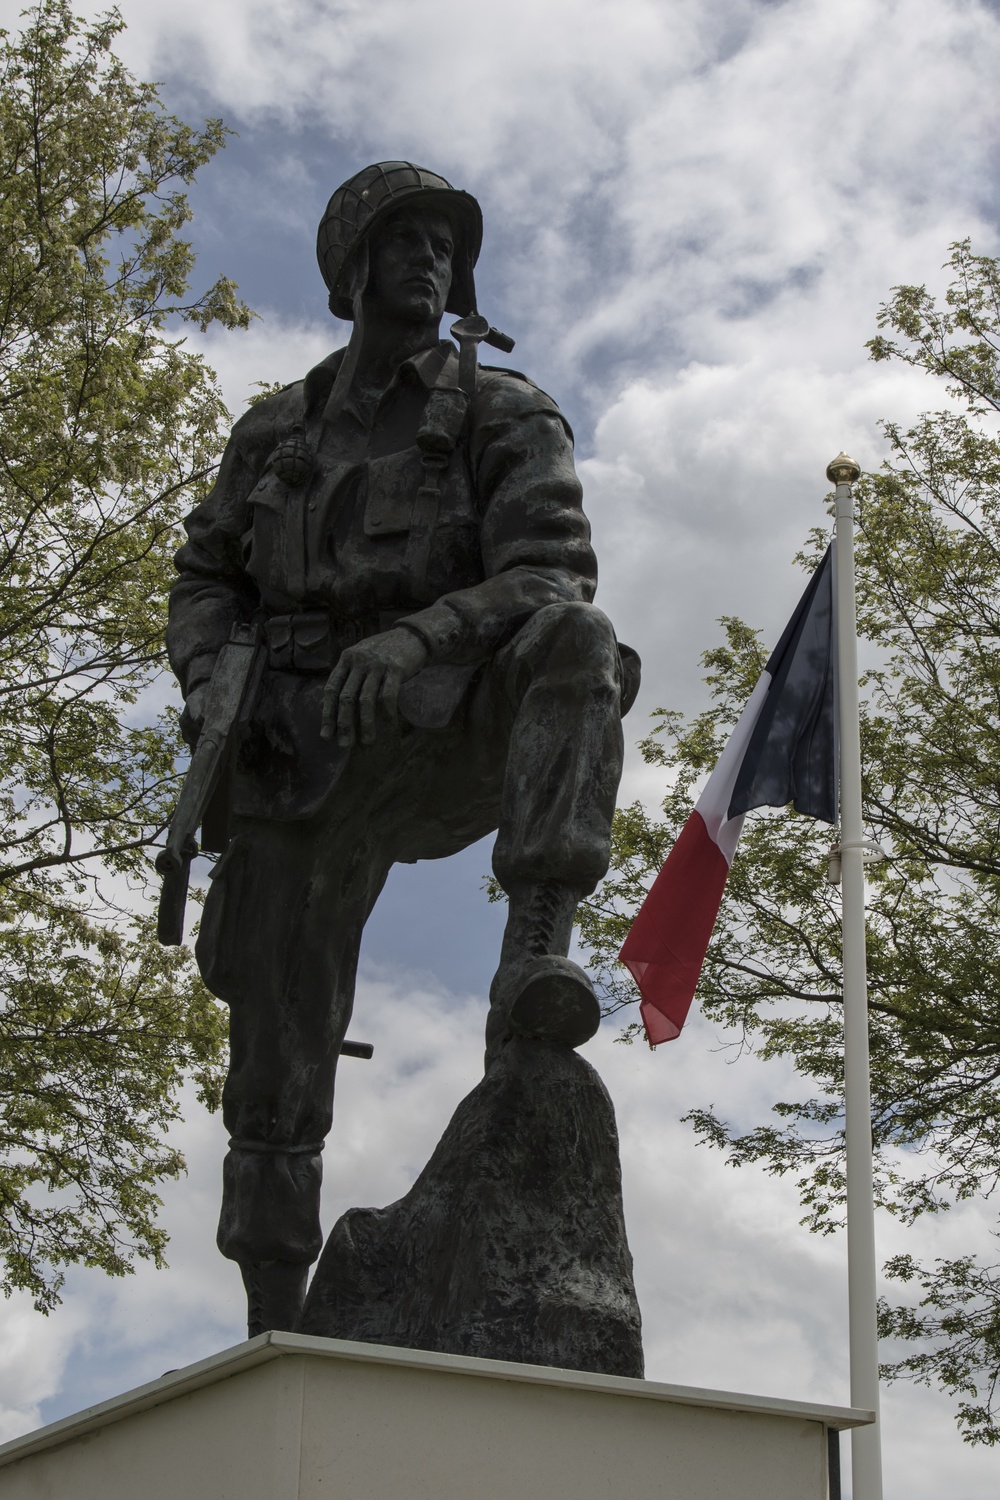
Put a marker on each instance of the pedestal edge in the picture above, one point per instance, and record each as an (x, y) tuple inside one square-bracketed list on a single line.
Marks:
[(268, 1346)]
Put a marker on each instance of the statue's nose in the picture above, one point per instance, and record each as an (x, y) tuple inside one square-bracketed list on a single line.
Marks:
[(423, 253)]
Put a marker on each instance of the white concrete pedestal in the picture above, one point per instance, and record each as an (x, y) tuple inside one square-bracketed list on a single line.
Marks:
[(289, 1417)]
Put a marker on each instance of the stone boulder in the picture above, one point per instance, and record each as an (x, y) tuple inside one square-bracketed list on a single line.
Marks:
[(511, 1243)]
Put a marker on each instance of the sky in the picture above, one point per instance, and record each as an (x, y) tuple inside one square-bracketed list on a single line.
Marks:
[(693, 210)]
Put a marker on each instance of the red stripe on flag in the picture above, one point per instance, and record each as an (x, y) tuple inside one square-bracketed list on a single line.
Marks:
[(669, 938)]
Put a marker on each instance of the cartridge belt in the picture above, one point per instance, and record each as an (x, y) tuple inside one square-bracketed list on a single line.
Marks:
[(312, 640)]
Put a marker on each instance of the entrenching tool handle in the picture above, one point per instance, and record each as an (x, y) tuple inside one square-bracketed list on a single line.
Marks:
[(470, 333)]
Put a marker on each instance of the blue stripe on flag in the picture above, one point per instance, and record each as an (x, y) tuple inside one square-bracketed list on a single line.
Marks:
[(792, 753)]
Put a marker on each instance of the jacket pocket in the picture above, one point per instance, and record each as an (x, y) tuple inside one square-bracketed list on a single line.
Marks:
[(392, 484)]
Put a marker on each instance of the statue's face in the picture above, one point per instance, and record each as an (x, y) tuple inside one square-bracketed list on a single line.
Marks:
[(410, 265)]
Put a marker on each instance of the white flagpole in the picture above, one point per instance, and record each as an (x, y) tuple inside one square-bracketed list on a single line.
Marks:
[(866, 1455)]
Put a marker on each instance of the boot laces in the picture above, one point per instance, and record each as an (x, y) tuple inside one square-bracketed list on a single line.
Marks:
[(545, 908)]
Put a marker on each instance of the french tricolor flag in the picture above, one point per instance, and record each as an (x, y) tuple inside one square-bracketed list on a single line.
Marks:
[(783, 750)]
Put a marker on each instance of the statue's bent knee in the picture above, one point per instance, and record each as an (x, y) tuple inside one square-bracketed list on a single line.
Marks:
[(572, 642), (583, 626)]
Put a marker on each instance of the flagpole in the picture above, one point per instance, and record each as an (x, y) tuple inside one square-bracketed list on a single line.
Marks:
[(866, 1456)]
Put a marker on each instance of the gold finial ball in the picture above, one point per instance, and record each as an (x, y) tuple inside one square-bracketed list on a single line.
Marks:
[(843, 470)]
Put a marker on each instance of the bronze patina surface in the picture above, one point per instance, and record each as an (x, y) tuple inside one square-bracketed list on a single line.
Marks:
[(403, 531)]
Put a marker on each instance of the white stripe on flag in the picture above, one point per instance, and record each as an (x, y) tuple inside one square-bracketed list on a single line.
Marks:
[(713, 804)]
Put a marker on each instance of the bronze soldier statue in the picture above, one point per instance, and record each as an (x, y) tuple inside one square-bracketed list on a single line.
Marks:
[(403, 533)]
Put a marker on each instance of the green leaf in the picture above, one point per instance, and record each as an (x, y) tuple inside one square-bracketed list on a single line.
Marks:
[(109, 430), (928, 575)]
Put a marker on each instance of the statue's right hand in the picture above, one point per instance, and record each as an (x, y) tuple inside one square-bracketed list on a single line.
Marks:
[(369, 675), (193, 713)]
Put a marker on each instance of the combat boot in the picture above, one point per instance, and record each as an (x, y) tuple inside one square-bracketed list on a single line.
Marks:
[(538, 991), (276, 1292)]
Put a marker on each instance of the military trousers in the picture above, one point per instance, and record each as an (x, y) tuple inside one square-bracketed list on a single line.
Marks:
[(535, 752)]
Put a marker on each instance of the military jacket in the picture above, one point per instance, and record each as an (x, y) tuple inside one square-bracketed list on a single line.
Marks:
[(459, 517)]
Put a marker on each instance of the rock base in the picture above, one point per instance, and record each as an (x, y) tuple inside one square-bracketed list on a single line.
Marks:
[(511, 1243)]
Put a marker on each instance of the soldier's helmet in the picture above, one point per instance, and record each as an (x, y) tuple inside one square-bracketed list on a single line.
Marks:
[(368, 198)]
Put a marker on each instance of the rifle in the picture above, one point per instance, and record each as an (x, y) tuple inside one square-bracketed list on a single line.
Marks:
[(231, 694), (203, 803)]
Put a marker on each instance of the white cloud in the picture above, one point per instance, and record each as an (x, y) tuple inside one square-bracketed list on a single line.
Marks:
[(722, 146), (702, 489), (735, 1295), (693, 211), (271, 349), (32, 1360)]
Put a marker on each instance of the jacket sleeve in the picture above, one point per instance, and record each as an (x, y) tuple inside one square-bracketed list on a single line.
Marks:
[(213, 591), (535, 537)]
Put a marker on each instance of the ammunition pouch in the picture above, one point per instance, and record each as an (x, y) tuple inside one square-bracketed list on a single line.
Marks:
[(312, 640)]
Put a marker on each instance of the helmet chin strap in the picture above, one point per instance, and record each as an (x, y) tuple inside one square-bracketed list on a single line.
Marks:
[(349, 364)]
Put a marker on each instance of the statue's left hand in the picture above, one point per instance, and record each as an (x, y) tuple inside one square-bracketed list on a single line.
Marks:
[(369, 676)]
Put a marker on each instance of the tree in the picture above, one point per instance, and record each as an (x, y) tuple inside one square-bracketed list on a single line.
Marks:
[(929, 609), (109, 427)]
